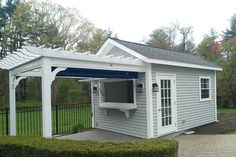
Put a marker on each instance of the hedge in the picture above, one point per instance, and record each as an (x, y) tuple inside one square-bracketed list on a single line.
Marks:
[(22, 146)]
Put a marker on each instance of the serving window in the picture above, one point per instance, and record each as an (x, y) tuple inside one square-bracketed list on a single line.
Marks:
[(118, 91)]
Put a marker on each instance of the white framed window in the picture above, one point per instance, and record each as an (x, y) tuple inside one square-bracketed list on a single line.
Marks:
[(205, 88)]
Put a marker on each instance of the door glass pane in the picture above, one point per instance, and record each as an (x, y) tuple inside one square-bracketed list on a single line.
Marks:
[(169, 101), (162, 102), (169, 95), (166, 111), (166, 119), (166, 93), (170, 122), (166, 104)]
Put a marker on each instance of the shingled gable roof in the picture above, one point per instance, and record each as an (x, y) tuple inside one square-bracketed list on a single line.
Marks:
[(151, 52)]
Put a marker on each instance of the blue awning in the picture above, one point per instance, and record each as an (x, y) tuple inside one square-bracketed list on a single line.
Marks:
[(97, 73)]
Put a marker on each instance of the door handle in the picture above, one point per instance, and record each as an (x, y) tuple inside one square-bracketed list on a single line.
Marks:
[(159, 109)]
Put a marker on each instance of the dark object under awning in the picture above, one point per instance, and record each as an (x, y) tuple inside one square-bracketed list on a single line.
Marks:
[(97, 73)]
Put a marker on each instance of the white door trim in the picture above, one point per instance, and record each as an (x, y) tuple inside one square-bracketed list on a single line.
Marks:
[(174, 105)]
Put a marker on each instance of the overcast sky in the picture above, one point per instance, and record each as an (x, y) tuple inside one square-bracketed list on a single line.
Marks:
[(134, 20)]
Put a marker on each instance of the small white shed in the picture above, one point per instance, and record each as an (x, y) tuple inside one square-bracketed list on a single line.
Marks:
[(137, 90), (176, 92)]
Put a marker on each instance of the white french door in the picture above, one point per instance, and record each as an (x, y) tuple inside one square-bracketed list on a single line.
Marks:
[(166, 104)]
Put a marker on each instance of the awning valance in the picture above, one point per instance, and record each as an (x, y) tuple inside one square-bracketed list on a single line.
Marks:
[(97, 73)]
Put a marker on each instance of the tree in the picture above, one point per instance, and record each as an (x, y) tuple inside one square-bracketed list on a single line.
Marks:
[(212, 33), (227, 78), (209, 48), (42, 23), (186, 44), (162, 38), (165, 37), (6, 11), (230, 33), (95, 41)]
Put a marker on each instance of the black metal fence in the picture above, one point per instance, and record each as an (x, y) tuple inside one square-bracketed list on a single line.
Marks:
[(4, 121), (67, 118)]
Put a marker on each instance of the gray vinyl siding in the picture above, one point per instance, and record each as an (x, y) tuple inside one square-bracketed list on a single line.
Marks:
[(190, 111), (116, 121)]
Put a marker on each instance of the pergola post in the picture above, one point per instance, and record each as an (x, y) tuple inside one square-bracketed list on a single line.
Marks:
[(46, 98), (13, 82), (47, 78), (12, 102)]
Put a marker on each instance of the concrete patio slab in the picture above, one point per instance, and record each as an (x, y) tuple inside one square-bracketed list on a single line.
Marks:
[(99, 135), (207, 145)]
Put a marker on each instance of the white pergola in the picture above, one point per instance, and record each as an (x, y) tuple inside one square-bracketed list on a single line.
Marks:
[(47, 63)]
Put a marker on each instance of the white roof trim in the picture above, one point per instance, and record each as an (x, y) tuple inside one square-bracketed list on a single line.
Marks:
[(179, 64), (153, 61)]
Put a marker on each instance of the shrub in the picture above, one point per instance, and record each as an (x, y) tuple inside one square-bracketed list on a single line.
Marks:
[(39, 147), (78, 128)]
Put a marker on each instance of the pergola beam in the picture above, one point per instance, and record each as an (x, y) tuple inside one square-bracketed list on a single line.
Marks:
[(126, 66), (29, 66)]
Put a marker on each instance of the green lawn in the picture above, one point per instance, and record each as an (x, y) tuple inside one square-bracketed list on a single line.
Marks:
[(226, 110), (30, 122)]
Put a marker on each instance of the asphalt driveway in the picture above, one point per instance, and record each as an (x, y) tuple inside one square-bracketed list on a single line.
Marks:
[(207, 145), (226, 124)]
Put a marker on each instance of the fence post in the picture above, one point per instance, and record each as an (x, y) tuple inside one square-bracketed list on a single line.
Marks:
[(7, 132), (57, 130)]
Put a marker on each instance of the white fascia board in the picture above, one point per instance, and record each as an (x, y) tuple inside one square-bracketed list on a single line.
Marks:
[(179, 64)]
